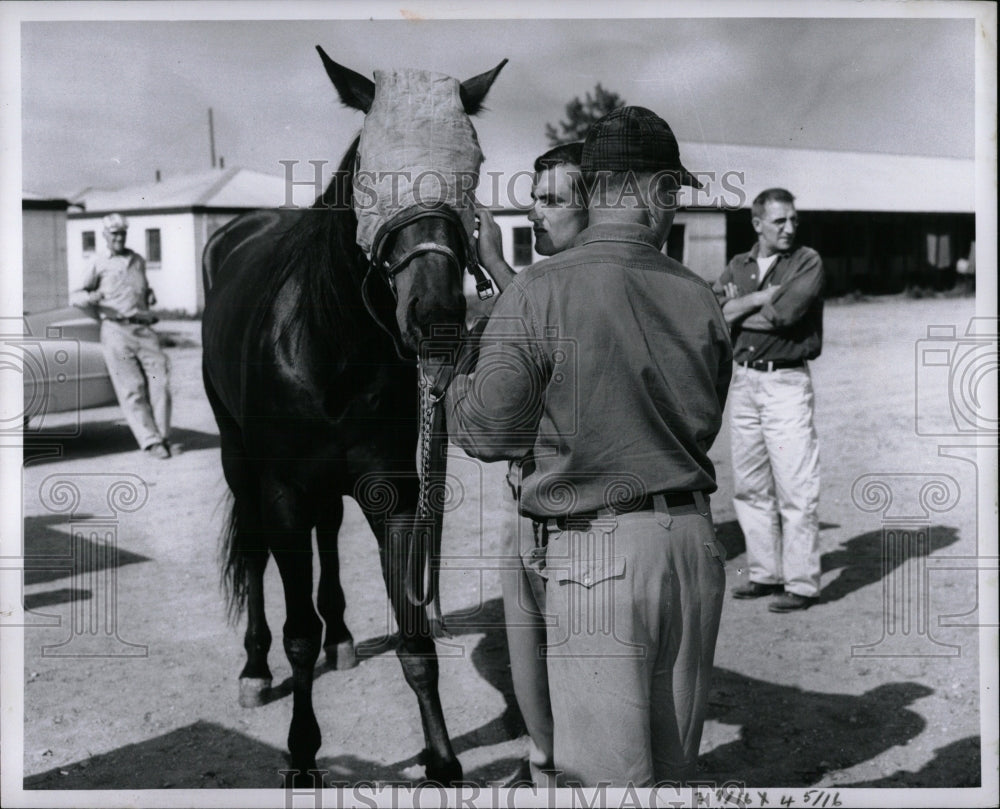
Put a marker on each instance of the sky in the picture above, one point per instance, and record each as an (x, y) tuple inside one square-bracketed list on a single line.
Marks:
[(105, 104)]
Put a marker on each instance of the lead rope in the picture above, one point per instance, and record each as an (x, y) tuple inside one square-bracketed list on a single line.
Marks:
[(422, 571)]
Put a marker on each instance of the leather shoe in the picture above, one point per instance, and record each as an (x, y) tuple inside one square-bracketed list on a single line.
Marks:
[(788, 602), (756, 589), (160, 451)]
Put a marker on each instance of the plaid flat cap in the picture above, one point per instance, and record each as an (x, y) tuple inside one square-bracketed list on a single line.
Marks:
[(634, 139)]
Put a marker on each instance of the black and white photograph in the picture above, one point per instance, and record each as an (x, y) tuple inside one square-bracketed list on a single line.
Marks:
[(509, 404)]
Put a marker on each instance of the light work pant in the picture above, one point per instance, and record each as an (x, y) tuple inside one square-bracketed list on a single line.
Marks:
[(139, 372), (776, 476), (635, 602), (523, 590)]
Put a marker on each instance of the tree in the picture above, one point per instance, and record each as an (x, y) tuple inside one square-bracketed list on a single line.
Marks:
[(582, 114)]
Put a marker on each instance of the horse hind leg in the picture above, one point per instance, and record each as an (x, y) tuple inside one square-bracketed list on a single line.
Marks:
[(287, 530), (255, 679), (246, 556), (338, 643)]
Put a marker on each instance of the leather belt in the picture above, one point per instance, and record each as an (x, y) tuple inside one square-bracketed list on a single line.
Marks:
[(674, 500), (772, 365), (139, 321)]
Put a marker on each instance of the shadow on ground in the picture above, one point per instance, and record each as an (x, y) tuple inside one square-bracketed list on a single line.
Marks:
[(49, 554), (792, 737), (206, 755), (99, 438), (861, 560), (955, 765)]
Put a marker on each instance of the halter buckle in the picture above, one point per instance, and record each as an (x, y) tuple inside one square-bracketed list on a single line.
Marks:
[(484, 289)]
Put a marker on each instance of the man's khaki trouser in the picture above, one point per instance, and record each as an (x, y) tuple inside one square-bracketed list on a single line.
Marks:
[(524, 606), (635, 601), (139, 370)]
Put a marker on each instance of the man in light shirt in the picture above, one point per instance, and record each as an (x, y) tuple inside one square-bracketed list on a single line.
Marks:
[(115, 289)]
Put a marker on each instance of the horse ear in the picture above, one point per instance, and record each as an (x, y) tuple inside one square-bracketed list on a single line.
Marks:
[(474, 90), (355, 90)]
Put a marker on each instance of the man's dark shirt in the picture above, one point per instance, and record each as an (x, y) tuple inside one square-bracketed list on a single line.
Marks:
[(609, 364), (795, 314)]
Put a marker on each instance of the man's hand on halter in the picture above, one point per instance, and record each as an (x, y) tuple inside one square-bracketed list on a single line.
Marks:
[(489, 246)]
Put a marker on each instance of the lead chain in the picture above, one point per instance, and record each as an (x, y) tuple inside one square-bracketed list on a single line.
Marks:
[(427, 406)]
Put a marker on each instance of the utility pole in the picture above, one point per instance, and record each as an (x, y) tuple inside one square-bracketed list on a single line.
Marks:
[(211, 135)]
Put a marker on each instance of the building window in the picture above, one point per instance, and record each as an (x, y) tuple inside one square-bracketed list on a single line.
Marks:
[(89, 241), (153, 246), (675, 243), (522, 247)]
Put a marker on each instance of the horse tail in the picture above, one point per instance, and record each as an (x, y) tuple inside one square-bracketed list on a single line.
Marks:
[(233, 560), (233, 550)]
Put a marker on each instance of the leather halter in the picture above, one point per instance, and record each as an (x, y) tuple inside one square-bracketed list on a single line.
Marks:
[(465, 261)]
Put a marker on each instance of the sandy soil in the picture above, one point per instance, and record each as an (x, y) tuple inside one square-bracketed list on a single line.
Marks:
[(878, 685)]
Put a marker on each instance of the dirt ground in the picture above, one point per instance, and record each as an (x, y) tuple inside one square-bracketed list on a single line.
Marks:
[(876, 686)]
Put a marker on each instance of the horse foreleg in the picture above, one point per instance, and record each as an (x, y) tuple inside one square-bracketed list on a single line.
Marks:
[(339, 643), (417, 655), (302, 634), (255, 679)]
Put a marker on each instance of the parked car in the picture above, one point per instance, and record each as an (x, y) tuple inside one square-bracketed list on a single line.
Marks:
[(63, 365)]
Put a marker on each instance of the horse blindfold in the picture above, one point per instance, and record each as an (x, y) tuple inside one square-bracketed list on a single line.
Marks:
[(418, 148)]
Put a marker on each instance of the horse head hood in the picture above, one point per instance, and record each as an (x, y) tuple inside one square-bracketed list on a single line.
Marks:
[(417, 148)]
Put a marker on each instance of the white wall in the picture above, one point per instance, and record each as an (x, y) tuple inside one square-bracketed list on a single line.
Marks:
[(704, 242), (174, 280)]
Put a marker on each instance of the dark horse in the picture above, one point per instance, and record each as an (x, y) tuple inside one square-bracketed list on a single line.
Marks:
[(310, 365)]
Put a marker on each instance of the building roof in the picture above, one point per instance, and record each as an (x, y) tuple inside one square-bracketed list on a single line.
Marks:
[(40, 202), (820, 180), (215, 188), (834, 181)]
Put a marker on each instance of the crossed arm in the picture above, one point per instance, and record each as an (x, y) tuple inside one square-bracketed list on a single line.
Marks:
[(778, 306), (745, 309)]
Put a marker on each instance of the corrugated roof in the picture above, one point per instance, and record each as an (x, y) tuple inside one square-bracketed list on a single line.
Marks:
[(216, 188)]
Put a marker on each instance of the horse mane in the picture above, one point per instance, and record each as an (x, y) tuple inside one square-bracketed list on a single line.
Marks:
[(321, 249)]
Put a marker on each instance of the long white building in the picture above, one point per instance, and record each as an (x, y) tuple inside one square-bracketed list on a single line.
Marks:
[(881, 222)]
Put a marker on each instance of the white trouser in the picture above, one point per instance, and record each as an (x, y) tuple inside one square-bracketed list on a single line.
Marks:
[(776, 476), (139, 372)]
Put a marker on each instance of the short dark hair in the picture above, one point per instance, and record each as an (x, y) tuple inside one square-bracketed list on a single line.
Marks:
[(565, 154), (560, 155), (770, 195)]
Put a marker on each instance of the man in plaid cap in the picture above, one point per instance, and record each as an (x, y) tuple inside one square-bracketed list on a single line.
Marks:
[(610, 363), (115, 290)]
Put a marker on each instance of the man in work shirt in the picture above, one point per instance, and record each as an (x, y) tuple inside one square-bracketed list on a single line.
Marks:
[(115, 289), (773, 298), (558, 213), (610, 363)]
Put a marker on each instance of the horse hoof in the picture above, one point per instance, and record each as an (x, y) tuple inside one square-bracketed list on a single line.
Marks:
[(342, 656), (445, 772), (253, 691)]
